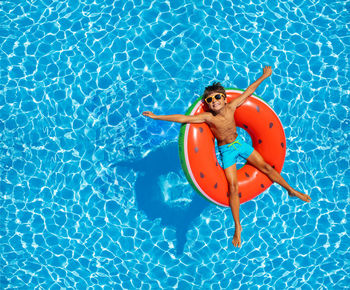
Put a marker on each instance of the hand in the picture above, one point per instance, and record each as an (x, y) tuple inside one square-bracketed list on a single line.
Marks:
[(149, 114), (267, 71)]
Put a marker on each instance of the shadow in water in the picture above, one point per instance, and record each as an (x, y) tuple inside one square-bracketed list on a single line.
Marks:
[(149, 197)]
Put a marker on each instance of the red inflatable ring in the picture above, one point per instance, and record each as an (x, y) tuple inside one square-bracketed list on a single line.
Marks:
[(198, 158)]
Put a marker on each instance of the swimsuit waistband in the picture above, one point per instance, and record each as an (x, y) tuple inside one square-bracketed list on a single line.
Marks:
[(237, 140)]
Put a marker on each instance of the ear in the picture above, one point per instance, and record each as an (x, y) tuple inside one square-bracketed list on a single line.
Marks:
[(205, 106)]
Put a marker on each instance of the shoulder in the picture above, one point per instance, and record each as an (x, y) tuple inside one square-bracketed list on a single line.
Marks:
[(232, 105), (206, 115), (199, 118)]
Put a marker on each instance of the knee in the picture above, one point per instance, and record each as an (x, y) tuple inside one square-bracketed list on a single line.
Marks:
[(266, 168), (233, 189)]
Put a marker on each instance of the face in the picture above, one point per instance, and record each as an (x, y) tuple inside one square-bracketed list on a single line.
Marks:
[(216, 101)]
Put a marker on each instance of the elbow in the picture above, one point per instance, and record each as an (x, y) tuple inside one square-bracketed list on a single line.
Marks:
[(184, 120), (251, 90), (188, 119)]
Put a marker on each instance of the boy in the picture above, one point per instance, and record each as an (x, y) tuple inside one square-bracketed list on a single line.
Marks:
[(220, 120)]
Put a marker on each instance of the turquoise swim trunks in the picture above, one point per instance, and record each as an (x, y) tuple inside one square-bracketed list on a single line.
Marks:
[(230, 152)]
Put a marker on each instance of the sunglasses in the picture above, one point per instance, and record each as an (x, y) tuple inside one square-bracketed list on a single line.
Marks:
[(208, 100)]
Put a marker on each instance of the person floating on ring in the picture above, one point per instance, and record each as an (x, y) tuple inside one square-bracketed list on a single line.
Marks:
[(220, 119)]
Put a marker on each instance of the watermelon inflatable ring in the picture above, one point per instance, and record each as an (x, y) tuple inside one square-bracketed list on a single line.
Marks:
[(198, 158)]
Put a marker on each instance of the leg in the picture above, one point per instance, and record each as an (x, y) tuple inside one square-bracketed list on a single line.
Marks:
[(257, 161), (231, 176)]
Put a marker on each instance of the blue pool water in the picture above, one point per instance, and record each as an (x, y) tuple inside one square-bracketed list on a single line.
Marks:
[(92, 192)]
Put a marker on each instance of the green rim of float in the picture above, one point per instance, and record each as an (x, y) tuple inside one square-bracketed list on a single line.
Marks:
[(182, 148), (181, 143)]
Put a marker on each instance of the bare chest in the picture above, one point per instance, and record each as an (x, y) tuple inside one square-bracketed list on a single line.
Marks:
[(223, 127)]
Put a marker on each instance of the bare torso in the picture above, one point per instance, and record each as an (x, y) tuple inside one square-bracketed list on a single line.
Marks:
[(223, 126)]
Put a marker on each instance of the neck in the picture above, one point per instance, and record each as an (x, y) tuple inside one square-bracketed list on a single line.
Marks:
[(220, 112)]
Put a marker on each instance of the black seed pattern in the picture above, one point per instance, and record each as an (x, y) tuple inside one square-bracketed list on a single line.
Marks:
[(196, 149), (240, 194), (217, 164), (201, 129), (201, 175), (271, 125), (216, 185), (282, 144), (228, 194), (262, 186), (260, 141), (246, 174), (245, 126), (273, 166)]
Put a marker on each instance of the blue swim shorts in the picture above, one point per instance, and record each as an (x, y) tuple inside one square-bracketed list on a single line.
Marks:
[(230, 152)]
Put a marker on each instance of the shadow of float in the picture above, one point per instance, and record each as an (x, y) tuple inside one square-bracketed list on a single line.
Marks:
[(149, 195)]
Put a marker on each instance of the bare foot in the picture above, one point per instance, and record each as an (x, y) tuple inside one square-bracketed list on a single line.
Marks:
[(300, 195), (236, 241)]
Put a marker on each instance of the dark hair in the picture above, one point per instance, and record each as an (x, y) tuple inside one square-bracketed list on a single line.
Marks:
[(214, 88)]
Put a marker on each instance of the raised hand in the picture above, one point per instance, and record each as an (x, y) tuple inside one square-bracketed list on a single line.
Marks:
[(267, 71), (149, 114)]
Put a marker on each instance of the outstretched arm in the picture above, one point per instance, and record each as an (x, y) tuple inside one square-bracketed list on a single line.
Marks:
[(251, 89), (200, 118)]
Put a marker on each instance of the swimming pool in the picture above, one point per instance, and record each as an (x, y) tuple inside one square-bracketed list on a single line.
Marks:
[(92, 193)]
